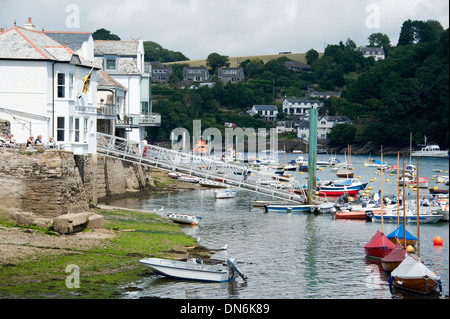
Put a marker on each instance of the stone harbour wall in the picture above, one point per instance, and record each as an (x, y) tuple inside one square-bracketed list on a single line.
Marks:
[(51, 183), (46, 183)]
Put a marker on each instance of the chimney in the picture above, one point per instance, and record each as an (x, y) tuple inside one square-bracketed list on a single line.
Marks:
[(2, 30), (29, 25)]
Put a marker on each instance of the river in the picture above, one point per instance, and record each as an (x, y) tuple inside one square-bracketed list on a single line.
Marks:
[(294, 256)]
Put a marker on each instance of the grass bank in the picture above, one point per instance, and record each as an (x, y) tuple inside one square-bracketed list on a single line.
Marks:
[(105, 268)]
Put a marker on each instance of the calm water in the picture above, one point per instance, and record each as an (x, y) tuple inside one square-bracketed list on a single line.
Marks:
[(287, 256)]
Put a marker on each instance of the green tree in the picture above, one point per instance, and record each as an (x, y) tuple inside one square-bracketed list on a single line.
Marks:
[(215, 61), (380, 40), (311, 56), (103, 34)]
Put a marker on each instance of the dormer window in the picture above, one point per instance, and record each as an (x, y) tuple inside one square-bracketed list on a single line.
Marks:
[(110, 63)]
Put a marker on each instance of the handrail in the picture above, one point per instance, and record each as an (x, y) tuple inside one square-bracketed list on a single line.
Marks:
[(201, 166)]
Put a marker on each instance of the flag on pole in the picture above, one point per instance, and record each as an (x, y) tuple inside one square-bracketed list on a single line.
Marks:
[(86, 81)]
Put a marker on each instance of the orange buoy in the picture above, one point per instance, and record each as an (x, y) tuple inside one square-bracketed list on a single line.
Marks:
[(438, 241)]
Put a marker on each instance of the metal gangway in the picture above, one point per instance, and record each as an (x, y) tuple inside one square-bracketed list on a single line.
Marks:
[(230, 174)]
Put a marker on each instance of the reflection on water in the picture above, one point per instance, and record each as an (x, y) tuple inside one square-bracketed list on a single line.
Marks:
[(288, 255)]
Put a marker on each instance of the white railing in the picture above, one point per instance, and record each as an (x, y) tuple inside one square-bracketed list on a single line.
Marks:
[(242, 177)]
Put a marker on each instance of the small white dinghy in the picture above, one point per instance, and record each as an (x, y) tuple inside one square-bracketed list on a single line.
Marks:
[(184, 218), (194, 269), (226, 193)]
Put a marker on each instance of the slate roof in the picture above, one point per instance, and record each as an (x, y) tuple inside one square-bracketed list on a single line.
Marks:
[(122, 48), (265, 107), (106, 81), (126, 51), (302, 100), (75, 39), (23, 44)]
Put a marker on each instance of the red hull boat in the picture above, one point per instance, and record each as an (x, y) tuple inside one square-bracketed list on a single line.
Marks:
[(379, 246), (338, 192)]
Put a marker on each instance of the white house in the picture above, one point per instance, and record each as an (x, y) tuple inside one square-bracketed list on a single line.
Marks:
[(41, 90), (124, 61), (267, 112), (300, 107), (325, 124), (377, 53)]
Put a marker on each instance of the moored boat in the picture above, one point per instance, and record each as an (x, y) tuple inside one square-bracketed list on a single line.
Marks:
[(413, 275), (212, 184), (430, 150), (398, 236), (287, 208), (226, 193), (394, 259), (189, 179), (337, 192), (184, 218), (379, 246), (370, 162), (194, 270), (345, 173)]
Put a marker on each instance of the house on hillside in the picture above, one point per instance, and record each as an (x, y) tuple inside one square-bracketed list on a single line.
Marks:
[(297, 66), (124, 61), (322, 95), (300, 107), (161, 73), (195, 74), (47, 89), (267, 112), (231, 75), (326, 123), (377, 53), (324, 126)]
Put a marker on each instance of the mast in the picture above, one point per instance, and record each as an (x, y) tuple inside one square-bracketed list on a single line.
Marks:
[(418, 217), (403, 202), (381, 196), (398, 188)]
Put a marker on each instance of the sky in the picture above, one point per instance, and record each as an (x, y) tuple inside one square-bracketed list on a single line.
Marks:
[(233, 28)]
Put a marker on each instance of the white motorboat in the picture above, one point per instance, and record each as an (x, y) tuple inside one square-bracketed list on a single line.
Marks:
[(411, 217), (212, 184), (184, 218), (324, 208), (430, 150), (194, 269), (189, 179), (226, 193)]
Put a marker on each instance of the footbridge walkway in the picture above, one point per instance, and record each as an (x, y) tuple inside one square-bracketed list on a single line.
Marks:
[(238, 176)]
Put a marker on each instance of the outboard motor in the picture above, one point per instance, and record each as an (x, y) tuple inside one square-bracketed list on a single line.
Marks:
[(233, 269), (369, 215)]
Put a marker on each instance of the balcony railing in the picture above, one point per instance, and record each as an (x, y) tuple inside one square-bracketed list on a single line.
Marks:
[(106, 109), (152, 118), (135, 120)]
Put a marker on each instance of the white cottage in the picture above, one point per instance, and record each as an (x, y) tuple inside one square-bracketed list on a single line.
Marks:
[(124, 62), (41, 90), (300, 107)]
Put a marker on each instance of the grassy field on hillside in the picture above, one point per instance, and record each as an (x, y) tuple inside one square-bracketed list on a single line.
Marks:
[(234, 60)]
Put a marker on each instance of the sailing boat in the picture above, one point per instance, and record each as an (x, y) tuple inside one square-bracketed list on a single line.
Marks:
[(346, 172), (398, 236), (394, 259), (401, 235), (412, 274), (379, 246)]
